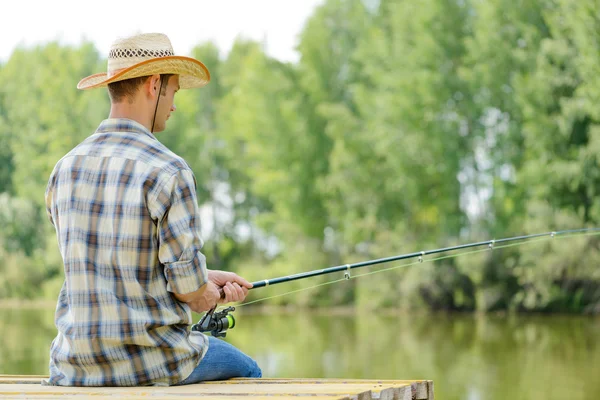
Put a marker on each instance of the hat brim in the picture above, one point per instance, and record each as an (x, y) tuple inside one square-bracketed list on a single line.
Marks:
[(192, 73)]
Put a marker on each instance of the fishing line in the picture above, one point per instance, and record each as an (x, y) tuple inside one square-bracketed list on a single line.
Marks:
[(529, 239)]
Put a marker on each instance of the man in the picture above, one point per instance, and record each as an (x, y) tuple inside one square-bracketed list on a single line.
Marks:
[(126, 217)]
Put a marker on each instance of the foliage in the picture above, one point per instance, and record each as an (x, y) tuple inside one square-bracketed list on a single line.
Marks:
[(404, 126)]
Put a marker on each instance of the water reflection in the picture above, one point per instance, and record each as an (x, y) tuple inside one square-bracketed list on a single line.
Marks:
[(468, 356)]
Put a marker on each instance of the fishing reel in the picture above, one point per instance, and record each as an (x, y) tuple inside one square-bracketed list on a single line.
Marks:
[(216, 323)]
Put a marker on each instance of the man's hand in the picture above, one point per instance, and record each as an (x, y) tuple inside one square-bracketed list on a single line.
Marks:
[(235, 288), (202, 299)]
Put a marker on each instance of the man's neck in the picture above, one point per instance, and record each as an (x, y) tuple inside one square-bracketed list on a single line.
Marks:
[(130, 111)]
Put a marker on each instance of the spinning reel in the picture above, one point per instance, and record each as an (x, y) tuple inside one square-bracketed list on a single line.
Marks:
[(216, 323)]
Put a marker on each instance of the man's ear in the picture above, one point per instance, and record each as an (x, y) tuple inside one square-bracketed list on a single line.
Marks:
[(153, 85)]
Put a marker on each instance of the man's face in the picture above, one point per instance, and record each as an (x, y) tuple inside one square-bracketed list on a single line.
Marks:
[(166, 103)]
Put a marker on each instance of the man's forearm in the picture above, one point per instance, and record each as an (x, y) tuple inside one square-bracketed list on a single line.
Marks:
[(192, 296), (203, 299)]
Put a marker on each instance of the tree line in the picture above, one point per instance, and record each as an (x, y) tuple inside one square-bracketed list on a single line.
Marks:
[(404, 126)]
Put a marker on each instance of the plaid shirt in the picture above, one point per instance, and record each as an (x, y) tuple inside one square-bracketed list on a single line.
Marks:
[(126, 217)]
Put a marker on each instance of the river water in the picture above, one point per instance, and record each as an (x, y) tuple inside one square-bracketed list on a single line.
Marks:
[(469, 357)]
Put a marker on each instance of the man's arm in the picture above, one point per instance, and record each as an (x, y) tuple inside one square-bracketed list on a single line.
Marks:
[(179, 250), (230, 287), (176, 211), (202, 299)]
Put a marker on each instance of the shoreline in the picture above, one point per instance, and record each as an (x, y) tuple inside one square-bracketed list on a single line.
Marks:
[(333, 311)]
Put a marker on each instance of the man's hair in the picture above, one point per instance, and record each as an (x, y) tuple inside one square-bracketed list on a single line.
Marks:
[(121, 90)]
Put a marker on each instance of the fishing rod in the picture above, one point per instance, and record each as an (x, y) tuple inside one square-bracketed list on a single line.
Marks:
[(218, 322)]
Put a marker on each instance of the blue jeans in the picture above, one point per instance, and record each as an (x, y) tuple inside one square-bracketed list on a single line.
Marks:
[(223, 361)]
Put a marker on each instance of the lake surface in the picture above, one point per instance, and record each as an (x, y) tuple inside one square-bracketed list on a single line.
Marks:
[(469, 357)]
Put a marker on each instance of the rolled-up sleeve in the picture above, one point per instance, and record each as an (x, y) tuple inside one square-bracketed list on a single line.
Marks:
[(179, 240)]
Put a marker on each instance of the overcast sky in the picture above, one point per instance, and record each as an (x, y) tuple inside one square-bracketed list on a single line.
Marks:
[(187, 23)]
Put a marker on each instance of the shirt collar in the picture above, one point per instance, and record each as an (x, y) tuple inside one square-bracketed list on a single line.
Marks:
[(123, 125)]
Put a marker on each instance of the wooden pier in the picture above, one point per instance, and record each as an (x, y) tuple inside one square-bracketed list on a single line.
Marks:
[(29, 387)]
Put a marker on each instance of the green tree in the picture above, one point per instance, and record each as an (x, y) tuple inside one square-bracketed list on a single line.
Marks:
[(397, 146), (42, 121), (6, 153), (560, 173), (502, 52)]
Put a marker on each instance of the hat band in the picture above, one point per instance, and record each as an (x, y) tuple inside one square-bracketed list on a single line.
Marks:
[(129, 53)]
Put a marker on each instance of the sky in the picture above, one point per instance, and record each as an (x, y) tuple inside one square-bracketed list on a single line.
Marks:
[(276, 23)]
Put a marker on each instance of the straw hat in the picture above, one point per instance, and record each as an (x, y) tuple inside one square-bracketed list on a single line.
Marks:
[(147, 54)]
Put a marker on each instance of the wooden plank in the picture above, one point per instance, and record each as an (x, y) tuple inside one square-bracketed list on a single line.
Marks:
[(421, 389), (313, 380), (22, 378), (430, 390), (351, 389), (176, 396), (211, 388), (396, 393), (38, 378), (170, 397)]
